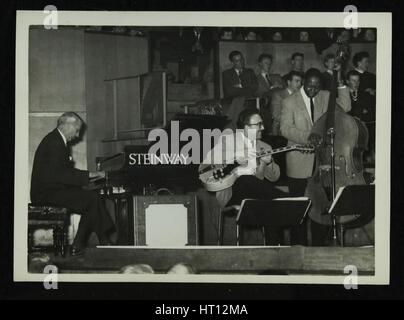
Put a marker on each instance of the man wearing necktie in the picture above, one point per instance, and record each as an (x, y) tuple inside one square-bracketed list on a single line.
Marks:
[(267, 82), (238, 81), (364, 108), (56, 182), (299, 112)]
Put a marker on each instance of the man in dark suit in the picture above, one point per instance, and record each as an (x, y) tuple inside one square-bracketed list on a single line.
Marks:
[(267, 82), (364, 108), (194, 46), (297, 62), (56, 182), (239, 81), (367, 79)]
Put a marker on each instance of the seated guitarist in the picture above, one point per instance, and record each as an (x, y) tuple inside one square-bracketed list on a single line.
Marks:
[(254, 182)]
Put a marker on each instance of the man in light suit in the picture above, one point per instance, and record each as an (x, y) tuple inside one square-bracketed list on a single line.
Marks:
[(294, 81), (299, 112)]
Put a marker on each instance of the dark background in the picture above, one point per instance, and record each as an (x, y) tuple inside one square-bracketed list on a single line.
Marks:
[(10, 290)]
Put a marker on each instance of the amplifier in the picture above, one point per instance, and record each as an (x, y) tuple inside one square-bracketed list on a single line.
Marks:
[(165, 220)]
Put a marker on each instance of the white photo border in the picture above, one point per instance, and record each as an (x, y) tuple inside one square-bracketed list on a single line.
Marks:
[(381, 21)]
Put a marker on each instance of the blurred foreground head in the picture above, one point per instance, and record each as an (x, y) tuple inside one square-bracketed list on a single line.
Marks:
[(181, 268), (137, 269)]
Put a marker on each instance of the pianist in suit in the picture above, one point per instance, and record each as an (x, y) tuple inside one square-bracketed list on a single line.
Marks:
[(56, 182)]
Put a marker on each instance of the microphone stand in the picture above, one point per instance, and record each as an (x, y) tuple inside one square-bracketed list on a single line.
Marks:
[(331, 134)]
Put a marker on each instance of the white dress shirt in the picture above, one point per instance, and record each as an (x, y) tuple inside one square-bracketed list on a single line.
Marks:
[(63, 137), (306, 100)]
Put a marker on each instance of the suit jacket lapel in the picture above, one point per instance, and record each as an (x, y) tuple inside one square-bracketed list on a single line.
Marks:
[(302, 106), (264, 81), (318, 106)]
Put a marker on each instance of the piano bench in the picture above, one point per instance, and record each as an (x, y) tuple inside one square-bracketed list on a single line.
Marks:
[(45, 217)]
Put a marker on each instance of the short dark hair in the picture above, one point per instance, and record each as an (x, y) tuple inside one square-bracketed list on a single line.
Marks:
[(292, 74), (328, 57), (233, 54), (358, 57), (265, 56), (312, 72), (245, 116), (297, 54), (352, 73)]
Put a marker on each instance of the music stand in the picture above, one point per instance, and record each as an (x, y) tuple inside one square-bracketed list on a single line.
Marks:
[(357, 201), (281, 213)]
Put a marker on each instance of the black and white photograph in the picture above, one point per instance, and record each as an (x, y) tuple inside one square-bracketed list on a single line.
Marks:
[(233, 147)]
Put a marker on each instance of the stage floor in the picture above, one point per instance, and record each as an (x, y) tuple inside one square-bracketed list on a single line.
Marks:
[(225, 260)]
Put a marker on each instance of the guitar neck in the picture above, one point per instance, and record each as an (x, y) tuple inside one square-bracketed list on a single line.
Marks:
[(275, 151)]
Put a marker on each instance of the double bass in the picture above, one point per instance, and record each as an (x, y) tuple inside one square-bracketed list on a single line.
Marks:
[(339, 141)]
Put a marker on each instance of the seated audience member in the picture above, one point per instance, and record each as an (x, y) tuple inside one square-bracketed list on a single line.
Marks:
[(363, 107), (181, 268), (277, 36), (239, 81), (297, 62), (294, 83), (344, 36), (226, 34), (137, 269), (369, 35), (252, 35), (56, 182), (367, 80), (304, 36), (267, 82), (333, 71)]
